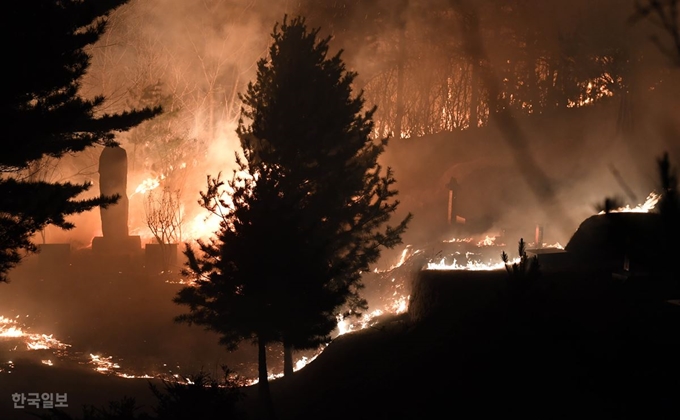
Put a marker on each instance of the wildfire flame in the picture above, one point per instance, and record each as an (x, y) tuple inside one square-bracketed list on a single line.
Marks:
[(11, 329), (202, 226), (149, 184), (299, 364), (649, 205), (126, 376), (488, 241), (366, 320), (400, 305), (470, 265), (402, 258), (103, 364), (405, 255), (7, 367), (199, 227), (458, 241)]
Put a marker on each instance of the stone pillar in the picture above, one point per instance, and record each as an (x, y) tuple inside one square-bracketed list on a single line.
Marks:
[(115, 240), (453, 195), (113, 180), (538, 236)]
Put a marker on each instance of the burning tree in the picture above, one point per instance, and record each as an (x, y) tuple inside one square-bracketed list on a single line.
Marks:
[(44, 116), (307, 210)]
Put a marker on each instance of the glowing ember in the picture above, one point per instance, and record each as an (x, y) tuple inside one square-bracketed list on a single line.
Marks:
[(470, 265), (347, 325), (202, 226), (103, 364), (458, 241), (404, 254), (186, 282), (7, 367), (149, 184), (11, 329), (646, 207), (593, 90), (400, 305), (301, 363), (407, 253), (44, 341), (306, 360), (343, 326), (126, 376), (11, 332), (556, 245), (488, 241)]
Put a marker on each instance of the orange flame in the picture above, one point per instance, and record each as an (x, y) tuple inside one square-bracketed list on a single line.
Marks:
[(149, 184), (457, 241), (470, 265), (103, 364), (488, 241), (11, 329), (649, 205)]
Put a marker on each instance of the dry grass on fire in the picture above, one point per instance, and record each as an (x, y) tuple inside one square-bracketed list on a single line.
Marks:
[(577, 344)]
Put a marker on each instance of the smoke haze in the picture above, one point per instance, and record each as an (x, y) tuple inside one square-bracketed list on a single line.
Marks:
[(592, 94)]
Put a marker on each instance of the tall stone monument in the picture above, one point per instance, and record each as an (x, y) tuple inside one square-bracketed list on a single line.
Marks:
[(115, 237), (113, 180)]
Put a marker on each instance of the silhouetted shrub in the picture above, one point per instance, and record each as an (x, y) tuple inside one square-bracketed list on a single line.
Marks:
[(125, 409), (201, 398), (523, 274), (669, 209)]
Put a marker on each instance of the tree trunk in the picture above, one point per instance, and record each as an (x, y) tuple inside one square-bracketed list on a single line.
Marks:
[(400, 85), (264, 395), (474, 96), (287, 359)]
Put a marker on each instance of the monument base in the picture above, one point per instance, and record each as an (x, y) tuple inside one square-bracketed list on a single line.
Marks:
[(161, 258), (127, 245)]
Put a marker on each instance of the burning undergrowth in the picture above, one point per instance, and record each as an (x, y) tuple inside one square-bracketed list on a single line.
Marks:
[(119, 323), (389, 289)]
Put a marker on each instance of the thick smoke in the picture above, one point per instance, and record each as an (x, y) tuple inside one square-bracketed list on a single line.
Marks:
[(194, 57)]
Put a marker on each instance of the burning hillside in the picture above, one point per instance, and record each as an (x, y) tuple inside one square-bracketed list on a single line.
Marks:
[(388, 292)]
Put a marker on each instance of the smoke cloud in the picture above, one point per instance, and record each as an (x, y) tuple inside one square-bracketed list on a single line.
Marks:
[(600, 139)]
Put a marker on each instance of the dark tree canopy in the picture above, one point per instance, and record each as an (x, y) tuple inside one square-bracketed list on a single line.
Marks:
[(305, 123), (44, 116), (297, 234)]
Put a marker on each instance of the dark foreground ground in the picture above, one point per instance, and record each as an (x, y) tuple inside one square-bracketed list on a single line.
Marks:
[(575, 346)]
